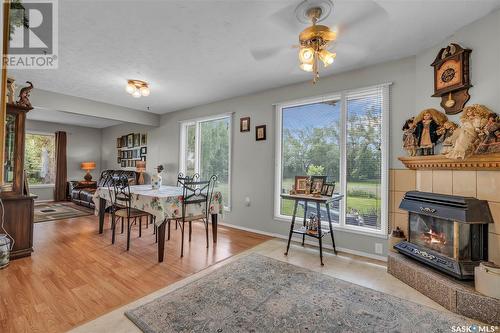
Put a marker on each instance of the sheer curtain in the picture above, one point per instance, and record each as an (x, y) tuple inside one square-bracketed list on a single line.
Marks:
[(61, 167)]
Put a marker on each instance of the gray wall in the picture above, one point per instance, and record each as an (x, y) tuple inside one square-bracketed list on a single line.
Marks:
[(253, 162), (84, 144)]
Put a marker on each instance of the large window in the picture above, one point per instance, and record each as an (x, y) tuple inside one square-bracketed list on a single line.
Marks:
[(342, 137), (206, 149), (39, 158)]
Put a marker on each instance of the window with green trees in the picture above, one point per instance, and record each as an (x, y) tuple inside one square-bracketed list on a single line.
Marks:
[(205, 149), (39, 158), (340, 137)]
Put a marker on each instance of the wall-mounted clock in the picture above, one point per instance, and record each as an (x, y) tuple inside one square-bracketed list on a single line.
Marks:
[(451, 77)]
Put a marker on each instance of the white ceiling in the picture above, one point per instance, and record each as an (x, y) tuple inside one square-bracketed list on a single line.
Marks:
[(62, 117), (196, 52)]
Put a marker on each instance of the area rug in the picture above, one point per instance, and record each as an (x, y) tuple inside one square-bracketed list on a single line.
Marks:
[(260, 294), (58, 211)]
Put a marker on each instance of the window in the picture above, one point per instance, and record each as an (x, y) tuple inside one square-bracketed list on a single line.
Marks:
[(342, 137), (205, 148), (39, 158)]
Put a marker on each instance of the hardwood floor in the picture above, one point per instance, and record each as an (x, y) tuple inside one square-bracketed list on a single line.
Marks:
[(76, 275)]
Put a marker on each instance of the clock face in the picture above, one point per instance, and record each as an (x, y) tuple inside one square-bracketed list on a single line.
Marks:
[(449, 74)]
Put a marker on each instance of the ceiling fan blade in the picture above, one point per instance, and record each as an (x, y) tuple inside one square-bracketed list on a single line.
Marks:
[(264, 53), (371, 11)]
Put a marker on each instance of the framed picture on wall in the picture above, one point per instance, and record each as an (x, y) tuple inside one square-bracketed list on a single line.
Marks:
[(123, 142), (144, 139), (124, 163), (130, 140), (260, 132), (144, 150), (245, 124), (137, 140), (143, 158), (119, 160), (118, 142)]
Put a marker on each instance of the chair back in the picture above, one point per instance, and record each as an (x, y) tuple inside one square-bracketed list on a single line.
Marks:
[(122, 196), (181, 179), (197, 192)]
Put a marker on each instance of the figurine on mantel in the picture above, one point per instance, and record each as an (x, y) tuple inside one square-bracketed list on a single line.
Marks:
[(490, 136), (427, 124), (447, 137), (472, 122), (409, 138)]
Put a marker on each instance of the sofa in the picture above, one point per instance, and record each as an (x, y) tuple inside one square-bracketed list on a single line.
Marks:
[(82, 194)]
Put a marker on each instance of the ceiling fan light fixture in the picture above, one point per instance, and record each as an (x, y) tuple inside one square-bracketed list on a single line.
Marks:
[(130, 88), (306, 54), (327, 57), (306, 67)]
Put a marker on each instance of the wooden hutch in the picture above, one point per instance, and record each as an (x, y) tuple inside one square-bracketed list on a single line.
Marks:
[(18, 204)]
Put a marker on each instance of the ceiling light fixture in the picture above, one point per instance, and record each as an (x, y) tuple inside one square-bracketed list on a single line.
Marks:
[(137, 88), (315, 40)]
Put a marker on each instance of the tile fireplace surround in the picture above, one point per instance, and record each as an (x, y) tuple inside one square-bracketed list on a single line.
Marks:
[(484, 185)]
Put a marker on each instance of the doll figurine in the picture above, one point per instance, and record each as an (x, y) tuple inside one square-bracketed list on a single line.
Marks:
[(490, 136), (447, 136), (409, 138), (472, 121), (427, 124)]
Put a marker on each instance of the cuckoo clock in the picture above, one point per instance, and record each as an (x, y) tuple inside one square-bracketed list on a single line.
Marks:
[(451, 77)]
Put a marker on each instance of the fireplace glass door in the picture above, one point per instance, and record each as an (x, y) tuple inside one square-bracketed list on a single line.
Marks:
[(433, 233)]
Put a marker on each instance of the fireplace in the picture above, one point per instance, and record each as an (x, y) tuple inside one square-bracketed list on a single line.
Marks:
[(449, 233)]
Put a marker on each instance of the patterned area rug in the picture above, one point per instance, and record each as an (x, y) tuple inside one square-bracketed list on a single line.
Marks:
[(58, 211), (260, 294)]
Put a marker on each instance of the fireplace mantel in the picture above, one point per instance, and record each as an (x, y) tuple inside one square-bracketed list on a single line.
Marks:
[(439, 162)]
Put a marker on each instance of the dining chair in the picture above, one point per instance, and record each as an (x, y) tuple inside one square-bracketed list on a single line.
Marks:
[(121, 203), (181, 178), (196, 194)]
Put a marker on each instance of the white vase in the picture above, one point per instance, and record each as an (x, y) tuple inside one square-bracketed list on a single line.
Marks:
[(156, 181)]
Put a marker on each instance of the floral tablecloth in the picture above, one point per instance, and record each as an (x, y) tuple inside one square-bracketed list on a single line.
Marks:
[(164, 203)]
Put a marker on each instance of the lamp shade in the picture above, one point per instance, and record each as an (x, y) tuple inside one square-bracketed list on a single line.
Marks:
[(87, 166), (140, 166)]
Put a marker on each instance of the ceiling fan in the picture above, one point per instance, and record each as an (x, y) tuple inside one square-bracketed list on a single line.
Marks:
[(316, 41)]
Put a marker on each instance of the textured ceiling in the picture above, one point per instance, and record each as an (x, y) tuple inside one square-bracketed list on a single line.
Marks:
[(67, 118), (196, 52)]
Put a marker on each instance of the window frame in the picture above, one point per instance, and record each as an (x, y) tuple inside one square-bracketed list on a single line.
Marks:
[(342, 98), (182, 145), (46, 134)]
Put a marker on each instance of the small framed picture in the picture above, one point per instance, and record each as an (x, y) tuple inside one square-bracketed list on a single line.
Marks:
[(137, 140), (301, 184), (245, 124), (317, 183), (144, 139), (144, 150), (324, 189), (331, 190), (118, 142), (260, 132), (130, 140), (124, 163), (119, 160), (143, 158), (123, 142)]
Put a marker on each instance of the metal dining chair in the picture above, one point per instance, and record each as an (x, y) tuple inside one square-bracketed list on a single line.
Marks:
[(195, 193), (121, 208)]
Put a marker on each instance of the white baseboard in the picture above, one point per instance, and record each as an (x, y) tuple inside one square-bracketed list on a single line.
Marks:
[(308, 242)]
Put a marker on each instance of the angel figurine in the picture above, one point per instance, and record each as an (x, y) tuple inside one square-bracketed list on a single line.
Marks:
[(447, 136), (490, 136), (474, 118), (409, 138)]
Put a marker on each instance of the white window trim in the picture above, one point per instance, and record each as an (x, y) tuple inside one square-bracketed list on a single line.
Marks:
[(383, 231), (182, 143)]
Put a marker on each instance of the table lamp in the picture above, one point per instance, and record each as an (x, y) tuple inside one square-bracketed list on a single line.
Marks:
[(140, 167), (87, 166)]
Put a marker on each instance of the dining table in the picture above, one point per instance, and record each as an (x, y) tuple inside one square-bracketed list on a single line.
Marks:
[(163, 204)]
